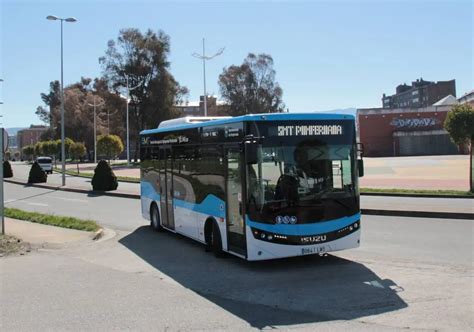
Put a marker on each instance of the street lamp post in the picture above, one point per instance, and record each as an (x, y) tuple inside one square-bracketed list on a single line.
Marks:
[(95, 127), (63, 147), (203, 57), (127, 99)]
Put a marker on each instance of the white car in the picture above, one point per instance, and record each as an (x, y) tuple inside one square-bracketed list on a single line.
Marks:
[(46, 164)]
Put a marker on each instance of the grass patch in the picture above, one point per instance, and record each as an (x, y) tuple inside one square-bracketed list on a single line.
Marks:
[(48, 219), (90, 175), (417, 191)]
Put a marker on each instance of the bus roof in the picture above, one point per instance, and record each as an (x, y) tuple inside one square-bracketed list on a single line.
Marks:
[(250, 117)]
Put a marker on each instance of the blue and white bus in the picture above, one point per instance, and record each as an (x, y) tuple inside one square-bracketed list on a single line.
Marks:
[(256, 186)]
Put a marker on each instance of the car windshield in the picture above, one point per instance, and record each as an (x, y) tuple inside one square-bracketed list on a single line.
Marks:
[(311, 174), (44, 160)]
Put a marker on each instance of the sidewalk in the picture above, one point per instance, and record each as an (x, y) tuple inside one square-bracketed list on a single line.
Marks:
[(39, 235)]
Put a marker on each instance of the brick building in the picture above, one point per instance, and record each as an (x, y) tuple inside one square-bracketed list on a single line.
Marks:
[(419, 94), (405, 132), (30, 135)]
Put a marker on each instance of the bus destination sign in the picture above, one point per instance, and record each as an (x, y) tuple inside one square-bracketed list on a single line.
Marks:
[(310, 130)]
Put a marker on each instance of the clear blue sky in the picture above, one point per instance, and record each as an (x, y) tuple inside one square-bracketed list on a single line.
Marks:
[(327, 54)]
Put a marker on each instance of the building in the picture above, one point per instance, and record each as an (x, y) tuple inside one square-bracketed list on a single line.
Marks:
[(406, 132), (214, 107), (30, 135), (419, 94), (468, 97)]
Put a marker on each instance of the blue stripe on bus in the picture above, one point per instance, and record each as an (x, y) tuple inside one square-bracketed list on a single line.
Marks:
[(147, 190), (214, 206), (254, 117), (211, 205), (306, 229)]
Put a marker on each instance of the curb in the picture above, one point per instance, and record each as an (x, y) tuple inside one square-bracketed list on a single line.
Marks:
[(378, 212), (97, 234), (77, 190), (417, 195), (418, 214)]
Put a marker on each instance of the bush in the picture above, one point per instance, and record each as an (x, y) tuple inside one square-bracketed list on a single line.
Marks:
[(37, 175), (104, 178), (7, 170)]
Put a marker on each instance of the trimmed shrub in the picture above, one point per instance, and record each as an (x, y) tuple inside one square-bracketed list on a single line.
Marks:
[(37, 175), (104, 178), (7, 170)]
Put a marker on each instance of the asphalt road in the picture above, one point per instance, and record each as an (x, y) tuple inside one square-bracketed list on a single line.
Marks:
[(409, 273), (113, 212)]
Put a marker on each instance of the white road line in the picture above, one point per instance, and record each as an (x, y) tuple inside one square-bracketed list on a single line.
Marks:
[(36, 204), (70, 199)]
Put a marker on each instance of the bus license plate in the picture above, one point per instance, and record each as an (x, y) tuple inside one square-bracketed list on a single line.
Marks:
[(313, 250)]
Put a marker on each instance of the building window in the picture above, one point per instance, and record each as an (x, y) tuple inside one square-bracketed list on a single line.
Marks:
[(414, 93), (415, 100)]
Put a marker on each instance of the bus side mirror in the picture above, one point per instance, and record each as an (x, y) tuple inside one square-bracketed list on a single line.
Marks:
[(251, 153), (360, 167)]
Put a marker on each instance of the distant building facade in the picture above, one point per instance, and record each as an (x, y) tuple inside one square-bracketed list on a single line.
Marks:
[(401, 132), (30, 135), (468, 98), (214, 107), (419, 94)]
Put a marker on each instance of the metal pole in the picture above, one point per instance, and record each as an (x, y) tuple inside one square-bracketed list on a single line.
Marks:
[(63, 148), (2, 206), (204, 73), (95, 135), (95, 126), (203, 57), (128, 130)]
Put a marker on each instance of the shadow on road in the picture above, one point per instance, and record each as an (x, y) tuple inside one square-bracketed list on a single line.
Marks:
[(292, 291)]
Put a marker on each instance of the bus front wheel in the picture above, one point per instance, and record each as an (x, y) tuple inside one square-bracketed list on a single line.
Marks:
[(213, 239), (155, 218)]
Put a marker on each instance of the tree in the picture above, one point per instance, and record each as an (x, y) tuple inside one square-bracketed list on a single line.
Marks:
[(52, 101), (79, 115), (8, 155), (109, 146), (67, 144), (17, 155), (77, 151), (143, 58), (459, 124), (39, 148), (28, 151), (251, 87)]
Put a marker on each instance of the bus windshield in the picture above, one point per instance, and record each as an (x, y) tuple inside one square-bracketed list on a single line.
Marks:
[(308, 182)]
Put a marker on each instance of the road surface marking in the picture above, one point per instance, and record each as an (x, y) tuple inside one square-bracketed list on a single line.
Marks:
[(374, 283), (36, 204), (71, 199)]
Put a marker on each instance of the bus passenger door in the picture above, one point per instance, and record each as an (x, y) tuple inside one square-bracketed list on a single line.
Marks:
[(234, 196), (166, 182)]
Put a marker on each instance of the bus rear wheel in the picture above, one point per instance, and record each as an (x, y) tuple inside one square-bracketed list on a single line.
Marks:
[(155, 218)]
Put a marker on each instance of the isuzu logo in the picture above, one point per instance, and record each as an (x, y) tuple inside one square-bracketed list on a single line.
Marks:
[(313, 239)]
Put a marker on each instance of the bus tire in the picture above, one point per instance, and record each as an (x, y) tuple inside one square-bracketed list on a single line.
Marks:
[(216, 241), (155, 218)]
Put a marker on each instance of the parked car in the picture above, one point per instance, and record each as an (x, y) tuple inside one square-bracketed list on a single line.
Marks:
[(46, 164)]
